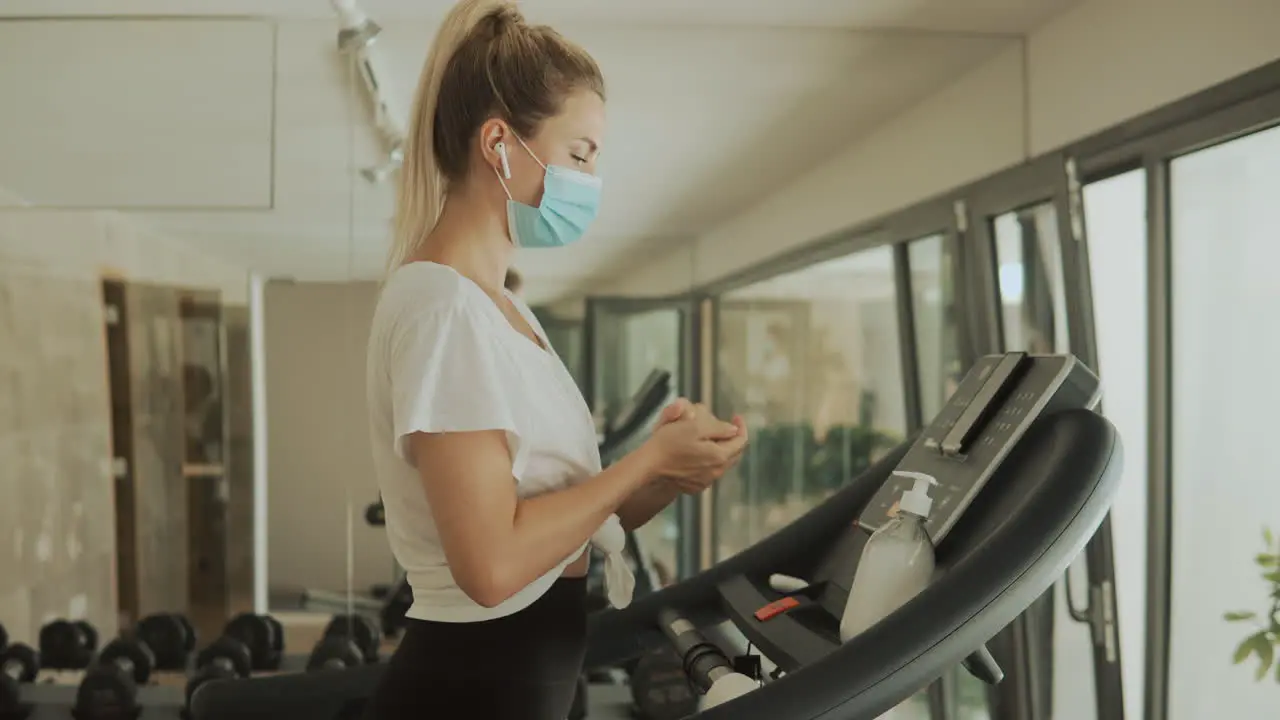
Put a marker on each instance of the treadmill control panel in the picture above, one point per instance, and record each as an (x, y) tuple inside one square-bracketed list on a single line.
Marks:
[(994, 406)]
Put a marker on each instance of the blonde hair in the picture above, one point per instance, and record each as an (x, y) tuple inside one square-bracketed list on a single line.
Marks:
[(485, 61)]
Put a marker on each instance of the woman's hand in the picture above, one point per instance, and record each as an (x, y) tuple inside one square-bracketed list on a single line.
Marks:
[(714, 429), (695, 448)]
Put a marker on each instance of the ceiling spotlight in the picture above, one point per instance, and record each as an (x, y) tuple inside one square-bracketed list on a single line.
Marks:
[(357, 29), (379, 173), (357, 38)]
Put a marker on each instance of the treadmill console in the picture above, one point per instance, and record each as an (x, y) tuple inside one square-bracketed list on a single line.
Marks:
[(994, 406)]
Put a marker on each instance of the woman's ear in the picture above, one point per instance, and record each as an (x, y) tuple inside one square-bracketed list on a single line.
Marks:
[(495, 143)]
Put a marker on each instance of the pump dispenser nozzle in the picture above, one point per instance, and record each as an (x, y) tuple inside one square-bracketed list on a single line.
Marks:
[(916, 500)]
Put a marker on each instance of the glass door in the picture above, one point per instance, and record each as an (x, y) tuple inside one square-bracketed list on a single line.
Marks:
[(1031, 292), (626, 339)]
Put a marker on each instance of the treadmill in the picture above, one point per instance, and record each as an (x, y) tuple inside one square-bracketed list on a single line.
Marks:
[(634, 415), (1026, 471)]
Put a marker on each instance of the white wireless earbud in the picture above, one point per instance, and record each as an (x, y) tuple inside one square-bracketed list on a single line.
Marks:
[(502, 156)]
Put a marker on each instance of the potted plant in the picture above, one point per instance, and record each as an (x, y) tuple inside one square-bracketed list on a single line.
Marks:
[(1263, 641)]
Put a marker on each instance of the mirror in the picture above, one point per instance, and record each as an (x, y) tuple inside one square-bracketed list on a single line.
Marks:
[(127, 434)]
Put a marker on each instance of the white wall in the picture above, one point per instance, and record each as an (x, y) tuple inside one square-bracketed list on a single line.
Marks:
[(70, 243), (1096, 65), (319, 455)]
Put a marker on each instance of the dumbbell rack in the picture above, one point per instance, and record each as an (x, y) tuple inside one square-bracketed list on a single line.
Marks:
[(348, 641), (80, 673), (51, 701)]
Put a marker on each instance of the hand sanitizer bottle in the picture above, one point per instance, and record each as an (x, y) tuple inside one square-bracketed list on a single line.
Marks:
[(897, 561)]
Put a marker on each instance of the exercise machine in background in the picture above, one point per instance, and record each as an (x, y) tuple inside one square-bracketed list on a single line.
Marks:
[(1022, 472), (632, 418), (626, 422)]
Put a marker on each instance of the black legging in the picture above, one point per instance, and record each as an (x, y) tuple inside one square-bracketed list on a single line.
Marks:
[(523, 666)]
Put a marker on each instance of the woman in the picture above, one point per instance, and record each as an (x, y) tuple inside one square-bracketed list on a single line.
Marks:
[(484, 450)]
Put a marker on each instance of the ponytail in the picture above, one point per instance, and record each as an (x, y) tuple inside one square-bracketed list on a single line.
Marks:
[(422, 186)]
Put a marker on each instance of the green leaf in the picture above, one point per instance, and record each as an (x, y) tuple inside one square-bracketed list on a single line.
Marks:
[(1251, 645), (1278, 672), (1238, 616), (1267, 655), (1272, 577), (1243, 650), (1268, 537), (1267, 560)]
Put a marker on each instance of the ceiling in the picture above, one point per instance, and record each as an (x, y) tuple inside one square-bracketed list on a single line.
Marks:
[(713, 105), (977, 16)]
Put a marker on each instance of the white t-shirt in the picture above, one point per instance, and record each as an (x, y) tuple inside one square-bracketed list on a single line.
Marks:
[(442, 357)]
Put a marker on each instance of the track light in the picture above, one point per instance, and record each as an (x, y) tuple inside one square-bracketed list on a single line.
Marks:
[(357, 39)]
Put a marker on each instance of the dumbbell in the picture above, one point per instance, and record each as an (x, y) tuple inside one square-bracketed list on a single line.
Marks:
[(19, 664), (226, 658), (277, 638), (109, 690), (360, 631), (191, 638), (262, 634), (335, 652), (170, 636), (67, 645)]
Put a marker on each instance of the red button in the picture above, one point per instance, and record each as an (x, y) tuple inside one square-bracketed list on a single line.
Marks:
[(775, 608)]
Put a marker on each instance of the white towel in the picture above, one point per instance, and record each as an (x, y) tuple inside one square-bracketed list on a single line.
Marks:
[(619, 583)]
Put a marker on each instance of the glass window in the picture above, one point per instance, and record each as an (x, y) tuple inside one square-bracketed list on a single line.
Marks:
[(811, 360), (1224, 215), (1033, 300), (565, 336), (629, 345), (933, 305)]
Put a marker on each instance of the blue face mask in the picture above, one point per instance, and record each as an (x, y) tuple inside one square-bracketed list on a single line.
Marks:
[(570, 201)]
